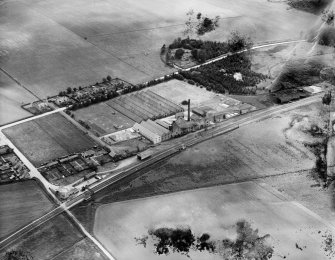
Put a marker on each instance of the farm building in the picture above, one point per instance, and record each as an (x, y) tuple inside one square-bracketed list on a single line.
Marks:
[(153, 131)]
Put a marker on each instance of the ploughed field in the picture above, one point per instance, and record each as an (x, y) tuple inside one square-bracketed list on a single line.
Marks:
[(48, 138), (21, 203), (136, 229), (58, 238), (76, 43)]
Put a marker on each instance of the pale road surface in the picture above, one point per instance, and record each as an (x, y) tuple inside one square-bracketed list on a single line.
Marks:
[(32, 118), (34, 172)]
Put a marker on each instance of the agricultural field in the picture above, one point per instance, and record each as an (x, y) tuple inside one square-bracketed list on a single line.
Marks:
[(71, 44), (48, 138), (58, 238), (103, 119), (133, 229), (21, 203), (12, 97)]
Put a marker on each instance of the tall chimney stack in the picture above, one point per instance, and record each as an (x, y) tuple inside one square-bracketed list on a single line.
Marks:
[(189, 110)]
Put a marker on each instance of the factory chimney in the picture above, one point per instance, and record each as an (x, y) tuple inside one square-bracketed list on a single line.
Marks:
[(189, 110)]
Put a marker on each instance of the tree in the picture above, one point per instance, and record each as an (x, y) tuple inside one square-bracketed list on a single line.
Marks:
[(109, 78), (104, 80), (69, 90), (326, 99), (199, 16), (194, 53), (239, 42), (179, 54)]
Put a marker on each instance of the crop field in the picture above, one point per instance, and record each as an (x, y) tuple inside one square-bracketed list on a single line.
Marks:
[(213, 211), (71, 44), (82, 250), (103, 119), (12, 96), (21, 203), (50, 239), (48, 138)]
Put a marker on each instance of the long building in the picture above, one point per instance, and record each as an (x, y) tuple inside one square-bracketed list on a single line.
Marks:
[(153, 131)]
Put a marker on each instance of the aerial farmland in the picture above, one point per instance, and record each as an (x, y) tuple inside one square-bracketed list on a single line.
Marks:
[(167, 129)]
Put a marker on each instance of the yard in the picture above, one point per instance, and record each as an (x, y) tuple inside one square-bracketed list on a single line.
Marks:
[(21, 203), (77, 43), (48, 138), (103, 119)]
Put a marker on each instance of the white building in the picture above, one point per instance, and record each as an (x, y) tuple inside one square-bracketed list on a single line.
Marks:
[(152, 131)]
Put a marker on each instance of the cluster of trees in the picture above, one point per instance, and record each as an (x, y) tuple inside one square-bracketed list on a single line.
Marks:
[(94, 99), (206, 50), (219, 76), (18, 255), (311, 6), (200, 24), (200, 50)]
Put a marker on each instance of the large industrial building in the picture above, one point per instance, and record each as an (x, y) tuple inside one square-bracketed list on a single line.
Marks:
[(153, 131)]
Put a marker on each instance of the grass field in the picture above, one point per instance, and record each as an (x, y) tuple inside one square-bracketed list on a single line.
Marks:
[(103, 119), (12, 96), (48, 138), (50, 239), (82, 250), (21, 203), (77, 43), (213, 211), (57, 239)]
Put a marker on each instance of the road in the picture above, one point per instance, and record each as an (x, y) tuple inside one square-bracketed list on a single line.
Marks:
[(32, 118), (269, 44), (190, 140)]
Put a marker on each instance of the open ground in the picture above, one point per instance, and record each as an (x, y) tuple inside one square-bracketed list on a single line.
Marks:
[(12, 97), (67, 44), (48, 138), (57, 239), (21, 203), (294, 232)]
